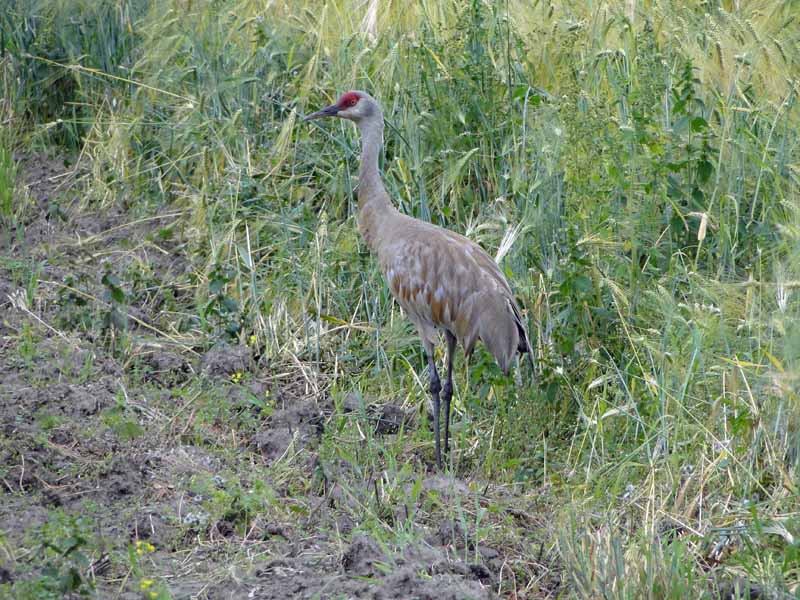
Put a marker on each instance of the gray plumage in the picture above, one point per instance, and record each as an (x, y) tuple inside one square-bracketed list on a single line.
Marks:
[(444, 282)]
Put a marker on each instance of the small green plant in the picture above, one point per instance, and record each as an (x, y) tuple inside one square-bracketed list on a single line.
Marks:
[(60, 552), (116, 317), (7, 183), (221, 310), (28, 343), (232, 507), (122, 420), (74, 309), (48, 421)]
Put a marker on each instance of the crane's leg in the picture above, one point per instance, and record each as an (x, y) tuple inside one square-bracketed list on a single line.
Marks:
[(436, 387), (447, 390)]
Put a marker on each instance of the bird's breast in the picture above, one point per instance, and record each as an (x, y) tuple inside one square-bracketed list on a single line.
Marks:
[(425, 301), (366, 227)]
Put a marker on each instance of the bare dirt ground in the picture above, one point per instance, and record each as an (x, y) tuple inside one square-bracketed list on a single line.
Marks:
[(132, 462)]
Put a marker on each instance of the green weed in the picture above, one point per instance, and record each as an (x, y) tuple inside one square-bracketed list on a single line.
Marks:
[(61, 544)]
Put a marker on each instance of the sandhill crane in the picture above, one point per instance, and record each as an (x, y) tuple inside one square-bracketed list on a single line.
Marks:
[(443, 281)]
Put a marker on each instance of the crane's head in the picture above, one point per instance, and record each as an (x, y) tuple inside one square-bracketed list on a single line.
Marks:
[(355, 106)]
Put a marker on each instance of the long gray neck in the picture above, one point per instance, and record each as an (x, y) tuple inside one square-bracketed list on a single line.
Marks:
[(370, 186), (375, 209)]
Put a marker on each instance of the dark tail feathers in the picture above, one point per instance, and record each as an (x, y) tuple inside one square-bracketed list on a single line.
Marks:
[(524, 346)]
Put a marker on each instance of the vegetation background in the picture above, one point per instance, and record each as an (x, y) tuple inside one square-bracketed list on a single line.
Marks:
[(635, 167)]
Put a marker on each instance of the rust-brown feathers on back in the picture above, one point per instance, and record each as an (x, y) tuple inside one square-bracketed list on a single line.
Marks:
[(445, 281)]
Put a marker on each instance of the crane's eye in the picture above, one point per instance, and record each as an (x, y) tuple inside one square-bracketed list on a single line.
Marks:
[(351, 102)]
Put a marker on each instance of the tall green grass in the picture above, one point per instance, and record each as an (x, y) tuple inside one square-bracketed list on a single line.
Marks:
[(7, 182), (66, 57), (639, 169)]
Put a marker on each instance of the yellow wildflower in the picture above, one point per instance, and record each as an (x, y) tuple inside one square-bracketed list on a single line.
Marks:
[(142, 547)]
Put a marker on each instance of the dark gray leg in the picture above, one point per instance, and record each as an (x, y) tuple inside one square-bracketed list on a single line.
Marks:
[(447, 390), (436, 387)]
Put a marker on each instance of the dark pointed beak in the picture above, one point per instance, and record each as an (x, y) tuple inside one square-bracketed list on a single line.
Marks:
[(329, 111)]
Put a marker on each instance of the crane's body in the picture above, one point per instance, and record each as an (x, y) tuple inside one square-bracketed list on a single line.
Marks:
[(445, 283)]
